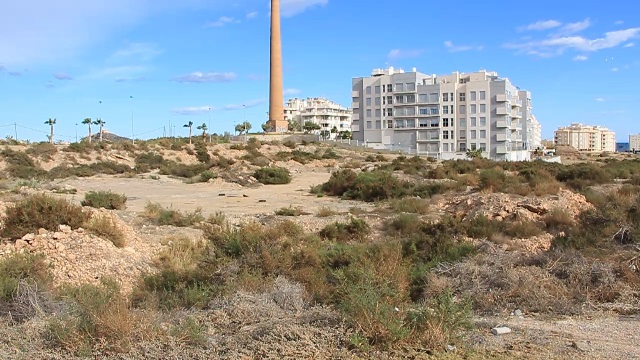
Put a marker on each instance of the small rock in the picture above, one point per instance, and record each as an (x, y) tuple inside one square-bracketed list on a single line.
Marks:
[(65, 229), (21, 244), (60, 247), (42, 231), (245, 195), (451, 348), (500, 330), (80, 230), (57, 235), (579, 345), (517, 312), (29, 237), (262, 201)]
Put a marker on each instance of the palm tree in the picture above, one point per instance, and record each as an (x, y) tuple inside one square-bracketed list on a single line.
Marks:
[(203, 127), (51, 122), (189, 125), (100, 123), (87, 121)]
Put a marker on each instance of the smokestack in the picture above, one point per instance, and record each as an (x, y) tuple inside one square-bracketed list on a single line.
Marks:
[(276, 95)]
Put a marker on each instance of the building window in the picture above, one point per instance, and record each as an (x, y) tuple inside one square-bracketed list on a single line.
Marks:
[(368, 101), (463, 122), (368, 113), (483, 121), (483, 146), (389, 100), (463, 96), (378, 124), (445, 135), (483, 95), (433, 110), (384, 100), (399, 87), (483, 108), (463, 147), (462, 109), (423, 111), (445, 122), (377, 113), (399, 99), (422, 98), (369, 124), (445, 147), (472, 96), (473, 122), (451, 108), (389, 124), (445, 109), (483, 134), (473, 134), (410, 86), (445, 97), (411, 99), (368, 90), (390, 112), (378, 101), (433, 97), (463, 134), (474, 146), (389, 88), (377, 89), (472, 109), (411, 123)]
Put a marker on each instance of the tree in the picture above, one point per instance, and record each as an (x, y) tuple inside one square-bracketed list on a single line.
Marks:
[(474, 154), (334, 130), (190, 126), (88, 121), (266, 127), (51, 122), (325, 134), (294, 126), (100, 123), (345, 134), (203, 127), (243, 128), (310, 126)]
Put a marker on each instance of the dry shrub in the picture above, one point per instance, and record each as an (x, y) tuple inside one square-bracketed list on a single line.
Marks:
[(326, 212), (180, 253), (558, 219), (105, 227), (410, 205), (163, 216), (355, 230), (105, 199)]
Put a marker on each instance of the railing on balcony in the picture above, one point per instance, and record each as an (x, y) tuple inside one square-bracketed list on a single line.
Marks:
[(355, 94), (355, 105), (516, 102), (501, 137), (516, 114), (502, 124), (501, 110), (501, 98)]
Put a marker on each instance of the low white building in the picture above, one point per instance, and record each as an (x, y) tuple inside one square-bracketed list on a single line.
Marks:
[(329, 115), (634, 142)]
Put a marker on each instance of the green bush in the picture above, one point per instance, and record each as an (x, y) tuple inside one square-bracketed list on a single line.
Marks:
[(183, 170), (207, 175), (162, 216), (149, 161), (104, 199), (21, 166), (202, 153), (42, 150), (40, 211), (106, 228), (354, 230), (289, 211), (17, 267), (273, 175)]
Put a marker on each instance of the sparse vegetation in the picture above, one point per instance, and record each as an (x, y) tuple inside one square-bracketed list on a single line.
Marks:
[(104, 227), (163, 216), (273, 175), (105, 199)]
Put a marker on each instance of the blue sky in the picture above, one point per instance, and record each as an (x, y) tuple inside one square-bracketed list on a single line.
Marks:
[(177, 59)]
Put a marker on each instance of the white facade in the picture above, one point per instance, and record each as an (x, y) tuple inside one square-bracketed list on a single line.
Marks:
[(329, 115), (634, 142), (586, 138), (443, 116)]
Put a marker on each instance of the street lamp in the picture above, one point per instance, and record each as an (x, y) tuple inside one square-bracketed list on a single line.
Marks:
[(76, 132)]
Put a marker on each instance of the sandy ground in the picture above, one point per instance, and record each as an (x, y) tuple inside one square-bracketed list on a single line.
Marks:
[(232, 199)]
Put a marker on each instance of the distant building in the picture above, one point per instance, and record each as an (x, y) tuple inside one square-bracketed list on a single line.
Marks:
[(331, 116), (586, 138), (444, 115), (634, 142), (622, 147)]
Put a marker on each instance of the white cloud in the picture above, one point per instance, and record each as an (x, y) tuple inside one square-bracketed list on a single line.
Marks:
[(600, 99), (576, 27), (289, 8), (619, 22), (291, 92), (615, 69), (136, 51), (556, 45), (396, 54), (222, 21), (116, 72), (541, 25), (580, 58), (628, 45), (193, 110), (62, 76), (252, 15), (200, 77), (458, 48)]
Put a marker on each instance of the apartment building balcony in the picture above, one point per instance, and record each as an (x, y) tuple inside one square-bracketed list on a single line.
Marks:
[(516, 137), (502, 137), (422, 140), (502, 98), (502, 149), (516, 114), (355, 105), (501, 124), (502, 110), (355, 94), (516, 102), (354, 117), (517, 125), (355, 127)]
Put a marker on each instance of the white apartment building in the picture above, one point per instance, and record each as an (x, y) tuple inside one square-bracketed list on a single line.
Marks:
[(586, 138), (443, 116), (326, 113), (634, 142)]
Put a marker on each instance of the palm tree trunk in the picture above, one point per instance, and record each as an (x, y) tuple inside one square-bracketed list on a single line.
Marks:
[(51, 136), (189, 135), (89, 133), (100, 132)]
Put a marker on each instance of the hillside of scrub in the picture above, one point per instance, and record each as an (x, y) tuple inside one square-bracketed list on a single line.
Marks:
[(165, 249)]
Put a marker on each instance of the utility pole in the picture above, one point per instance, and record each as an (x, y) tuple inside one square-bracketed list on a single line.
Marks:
[(76, 132), (15, 130)]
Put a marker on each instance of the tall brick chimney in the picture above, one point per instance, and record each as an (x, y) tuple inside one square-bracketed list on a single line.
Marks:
[(276, 95)]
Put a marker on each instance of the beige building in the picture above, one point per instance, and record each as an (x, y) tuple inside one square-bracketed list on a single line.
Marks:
[(634, 142), (586, 138), (326, 113), (444, 115)]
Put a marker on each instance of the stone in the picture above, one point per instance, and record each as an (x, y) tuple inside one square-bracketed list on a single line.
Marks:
[(517, 312), (65, 229), (57, 235), (451, 348), (580, 345), (60, 247), (42, 231), (80, 230), (500, 330), (21, 244), (29, 237)]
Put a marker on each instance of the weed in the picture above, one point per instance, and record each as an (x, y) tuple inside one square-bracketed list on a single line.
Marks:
[(18, 267), (21, 166), (289, 211), (42, 150), (272, 175), (190, 332), (207, 175), (326, 212), (355, 230), (104, 227), (162, 216), (105, 199), (410, 205), (40, 211)]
